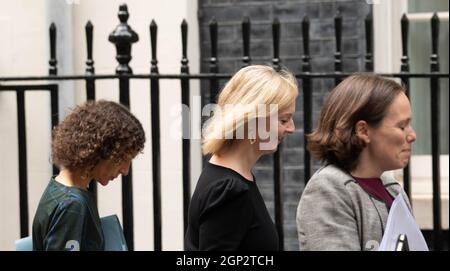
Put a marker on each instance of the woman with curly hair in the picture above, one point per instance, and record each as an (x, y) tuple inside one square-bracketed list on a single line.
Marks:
[(364, 130), (95, 142)]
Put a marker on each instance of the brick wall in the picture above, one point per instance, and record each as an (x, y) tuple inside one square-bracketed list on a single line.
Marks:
[(229, 15)]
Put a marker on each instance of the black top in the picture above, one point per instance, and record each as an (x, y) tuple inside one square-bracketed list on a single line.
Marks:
[(67, 219), (227, 212)]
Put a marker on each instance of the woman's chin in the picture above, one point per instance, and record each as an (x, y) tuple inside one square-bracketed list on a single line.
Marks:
[(269, 146), (104, 182), (269, 150)]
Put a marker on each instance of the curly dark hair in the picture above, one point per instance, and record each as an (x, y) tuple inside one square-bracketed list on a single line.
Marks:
[(95, 131), (359, 97)]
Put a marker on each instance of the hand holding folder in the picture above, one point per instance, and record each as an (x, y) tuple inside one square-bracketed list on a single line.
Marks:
[(402, 243), (402, 229)]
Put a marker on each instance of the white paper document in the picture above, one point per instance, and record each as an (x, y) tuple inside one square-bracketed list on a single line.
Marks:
[(401, 221)]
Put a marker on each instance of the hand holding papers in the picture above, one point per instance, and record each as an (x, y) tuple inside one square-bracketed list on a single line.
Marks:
[(400, 221)]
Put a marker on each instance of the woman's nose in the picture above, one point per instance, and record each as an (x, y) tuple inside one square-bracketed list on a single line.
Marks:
[(411, 137), (291, 127), (125, 169)]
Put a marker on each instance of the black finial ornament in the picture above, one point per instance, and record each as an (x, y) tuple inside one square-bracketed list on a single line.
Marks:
[(89, 62), (276, 44), (246, 40), (306, 66), (405, 31), (52, 69), (184, 60), (123, 37)]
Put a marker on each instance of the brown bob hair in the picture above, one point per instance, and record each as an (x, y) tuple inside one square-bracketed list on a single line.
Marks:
[(364, 97)]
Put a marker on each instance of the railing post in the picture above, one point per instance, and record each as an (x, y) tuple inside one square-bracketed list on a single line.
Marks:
[(435, 146), (307, 97), (23, 167), (123, 37), (276, 44), (89, 35), (369, 43), (186, 133), (405, 32), (54, 105), (156, 141), (53, 69), (213, 67), (246, 41), (90, 84), (404, 68), (337, 54), (277, 156)]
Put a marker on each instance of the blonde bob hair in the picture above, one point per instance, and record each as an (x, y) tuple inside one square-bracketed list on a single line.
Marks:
[(249, 89)]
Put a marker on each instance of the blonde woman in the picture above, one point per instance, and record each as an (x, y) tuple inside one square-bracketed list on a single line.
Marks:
[(254, 112)]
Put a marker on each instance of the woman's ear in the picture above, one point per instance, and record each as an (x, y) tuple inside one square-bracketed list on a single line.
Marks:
[(362, 131)]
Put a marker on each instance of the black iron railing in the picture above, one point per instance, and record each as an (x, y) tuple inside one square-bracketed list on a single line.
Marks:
[(123, 37)]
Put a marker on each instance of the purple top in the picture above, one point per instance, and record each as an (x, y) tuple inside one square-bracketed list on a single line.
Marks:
[(375, 188)]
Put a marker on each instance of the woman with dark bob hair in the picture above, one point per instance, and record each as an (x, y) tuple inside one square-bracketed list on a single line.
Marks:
[(364, 130), (95, 142)]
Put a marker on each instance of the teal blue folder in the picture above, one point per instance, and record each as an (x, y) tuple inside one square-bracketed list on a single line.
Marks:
[(112, 231)]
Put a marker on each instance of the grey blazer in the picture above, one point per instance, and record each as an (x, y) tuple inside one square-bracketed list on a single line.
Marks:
[(335, 213)]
